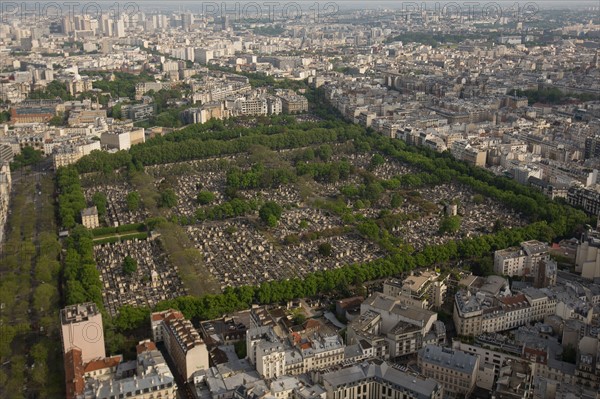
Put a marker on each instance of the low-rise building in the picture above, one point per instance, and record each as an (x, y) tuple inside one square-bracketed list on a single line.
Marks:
[(89, 217), (34, 111)]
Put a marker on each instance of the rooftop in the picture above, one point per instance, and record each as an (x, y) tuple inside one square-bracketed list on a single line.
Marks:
[(78, 313), (416, 387), (448, 358)]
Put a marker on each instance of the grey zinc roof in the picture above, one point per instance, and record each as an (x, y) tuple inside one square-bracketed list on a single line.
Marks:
[(448, 358), (91, 211), (420, 388), (534, 247)]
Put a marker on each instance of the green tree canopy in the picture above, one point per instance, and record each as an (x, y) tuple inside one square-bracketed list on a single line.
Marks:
[(168, 198), (450, 225), (270, 213), (205, 197), (325, 249), (133, 201), (129, 265), (28, 156), (99, 199)]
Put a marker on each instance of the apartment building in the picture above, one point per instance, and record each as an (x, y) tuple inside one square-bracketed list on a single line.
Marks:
[(274, 356), (208, 111), (6, 153), (293, 103), (462, 150), (138, 112), (587, 260), (270, 359), (76, 86), (81, 328), (586, 198), (71, 151), (85, 116), (65, 155), (147, 377), (379, 380), (120, 139), (182, 341), (142, 88), (479, 313), (454, 369), (392, 328), (247, 106), (522, 261), (425, 289)]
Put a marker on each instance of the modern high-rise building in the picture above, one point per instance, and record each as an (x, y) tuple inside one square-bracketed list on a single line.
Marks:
[(187, 20), (119, 28)]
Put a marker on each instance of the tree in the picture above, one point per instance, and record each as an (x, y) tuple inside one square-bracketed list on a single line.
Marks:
[(133, 201), (299, 319), (498, 225), (240, 349), (478, 199), (99, 199), (58, 120), (325, 249), (484, 266), (4, 116), (449, 225), (129, 265), (116, 112), (396, 200), (324, 152), (130, 317), (205, 197), (168, 199), (376, 161), (28, 156), (270, 213)]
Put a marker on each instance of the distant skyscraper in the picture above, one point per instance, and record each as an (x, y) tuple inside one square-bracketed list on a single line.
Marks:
[(106, 25), (226, 23), (67, 25), (187, 20), (119, 28), (82, 22)]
